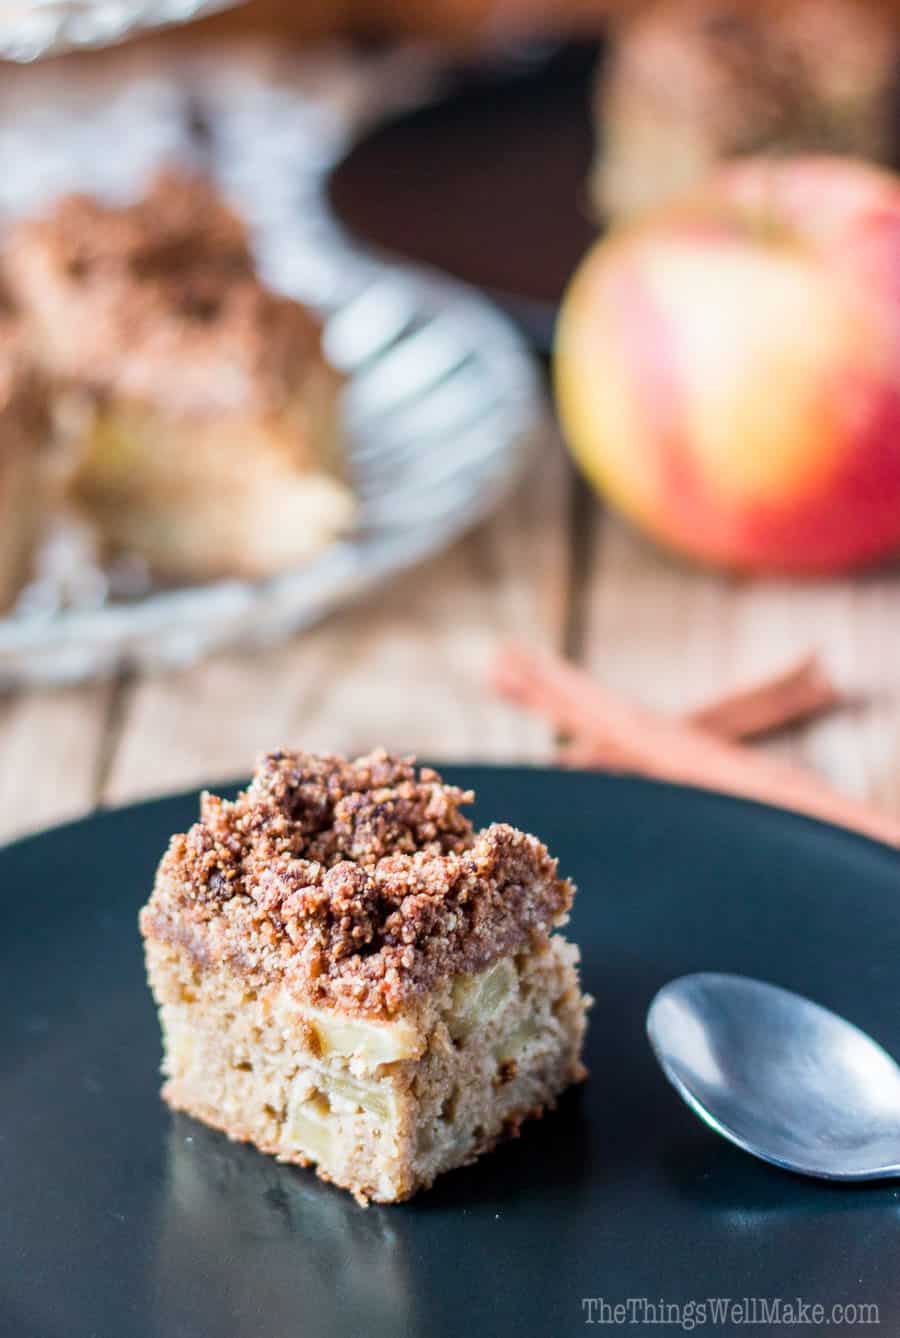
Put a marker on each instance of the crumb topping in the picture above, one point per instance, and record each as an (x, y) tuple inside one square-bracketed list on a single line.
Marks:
[(361, 882), (180, 225), (764, 70), (161, 299)]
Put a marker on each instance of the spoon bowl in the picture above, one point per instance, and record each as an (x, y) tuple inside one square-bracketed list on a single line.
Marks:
[(780, 1076)]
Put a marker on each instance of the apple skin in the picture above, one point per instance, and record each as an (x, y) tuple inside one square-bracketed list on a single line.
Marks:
[(727, 372)]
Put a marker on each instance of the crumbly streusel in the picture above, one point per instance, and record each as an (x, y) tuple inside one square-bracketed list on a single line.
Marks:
[(166, 300), (360, 882)]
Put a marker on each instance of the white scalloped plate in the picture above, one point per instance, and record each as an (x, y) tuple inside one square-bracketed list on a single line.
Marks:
[(442, 402), (33, 29)]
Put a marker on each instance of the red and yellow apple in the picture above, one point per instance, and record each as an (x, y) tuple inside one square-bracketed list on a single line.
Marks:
[(728, 370)]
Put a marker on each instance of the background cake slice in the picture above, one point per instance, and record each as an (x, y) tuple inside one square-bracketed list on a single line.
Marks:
[(24, 439), (213, 443), (690, 82), (349, 976)]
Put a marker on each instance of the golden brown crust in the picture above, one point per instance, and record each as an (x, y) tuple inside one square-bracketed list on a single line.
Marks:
[(360, 882), (24, 435), (22, 390), (160, 300)]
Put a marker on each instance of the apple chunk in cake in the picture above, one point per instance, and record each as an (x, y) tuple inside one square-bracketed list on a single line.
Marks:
[(348, 976)]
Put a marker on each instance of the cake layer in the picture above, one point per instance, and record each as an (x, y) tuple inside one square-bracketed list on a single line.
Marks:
[(227, 496), (19, 512), (24, 443), (379, 1107)]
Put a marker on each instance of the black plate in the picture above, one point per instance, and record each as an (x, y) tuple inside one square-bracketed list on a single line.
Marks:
[(118, 1219), (488, 183)]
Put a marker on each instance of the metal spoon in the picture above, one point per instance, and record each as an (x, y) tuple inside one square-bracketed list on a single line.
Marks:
[(780, 1076)]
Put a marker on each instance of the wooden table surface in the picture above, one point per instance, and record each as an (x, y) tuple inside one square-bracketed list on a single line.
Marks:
[(408, 667)]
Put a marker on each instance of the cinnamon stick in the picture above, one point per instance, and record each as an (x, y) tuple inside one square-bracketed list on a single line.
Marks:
[(641, 740), (796, 693)]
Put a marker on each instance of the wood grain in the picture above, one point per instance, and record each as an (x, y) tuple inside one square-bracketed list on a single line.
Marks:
[(407, 669), (51, 746), (670, 635), (631, 737)]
